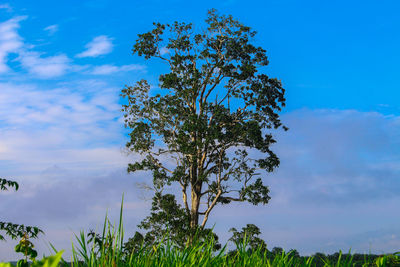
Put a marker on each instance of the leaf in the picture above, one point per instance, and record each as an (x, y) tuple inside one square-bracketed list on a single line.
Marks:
[(51, 261)]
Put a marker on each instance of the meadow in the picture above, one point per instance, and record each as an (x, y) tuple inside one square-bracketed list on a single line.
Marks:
[(107, 249)]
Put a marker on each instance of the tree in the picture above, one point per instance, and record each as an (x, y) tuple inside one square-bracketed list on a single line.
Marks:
[(134, 244), (16, 230), (249, 236), (215, 110)]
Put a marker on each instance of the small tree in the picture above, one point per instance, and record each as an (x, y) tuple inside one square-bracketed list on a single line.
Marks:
[(249, 236), (134, 244), (214, 109)]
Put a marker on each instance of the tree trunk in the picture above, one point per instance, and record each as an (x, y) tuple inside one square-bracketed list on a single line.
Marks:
[(195, 192), (194, 212)]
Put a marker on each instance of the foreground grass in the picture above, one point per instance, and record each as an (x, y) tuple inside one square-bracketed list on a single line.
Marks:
[(108, 250), (166, 254)]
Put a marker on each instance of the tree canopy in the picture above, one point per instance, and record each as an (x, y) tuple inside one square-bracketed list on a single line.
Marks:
[(208, 129)]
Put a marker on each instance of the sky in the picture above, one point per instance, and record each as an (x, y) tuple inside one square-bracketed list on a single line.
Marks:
[(64, 63)]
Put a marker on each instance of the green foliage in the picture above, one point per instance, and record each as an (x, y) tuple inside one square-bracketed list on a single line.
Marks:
[(248, 235), (388, 260), (26, 247), (51, 261), (135, 244), (17, 231), (4, 184), (202, 255), (216, 106), (167, 218)]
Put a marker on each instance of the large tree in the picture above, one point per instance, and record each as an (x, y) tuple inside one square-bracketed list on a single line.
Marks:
[(209, 129)]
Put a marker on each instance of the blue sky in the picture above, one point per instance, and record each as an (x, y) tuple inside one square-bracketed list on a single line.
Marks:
[(63, 64)]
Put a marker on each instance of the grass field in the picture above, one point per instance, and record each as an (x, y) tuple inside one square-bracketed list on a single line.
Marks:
[(108, 250)]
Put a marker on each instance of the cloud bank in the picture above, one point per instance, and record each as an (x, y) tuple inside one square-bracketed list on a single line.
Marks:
[(352, 156), (45, 67), (338, 182), (329, 178)]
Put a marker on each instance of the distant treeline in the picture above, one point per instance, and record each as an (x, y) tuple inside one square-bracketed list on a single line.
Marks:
[(320, 259)]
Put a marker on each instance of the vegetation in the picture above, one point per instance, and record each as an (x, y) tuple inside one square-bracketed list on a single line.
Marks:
[(107, 250), (214, 108), (51, 261), (250, 233)]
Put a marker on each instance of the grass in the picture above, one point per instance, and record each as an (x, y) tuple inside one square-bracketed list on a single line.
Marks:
[(165, 254), (107, 250)]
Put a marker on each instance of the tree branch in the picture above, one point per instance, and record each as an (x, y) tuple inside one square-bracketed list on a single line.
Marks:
[(210, 208), (155, 161)]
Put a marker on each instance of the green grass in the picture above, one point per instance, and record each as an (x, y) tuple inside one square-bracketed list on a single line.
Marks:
[(110, 253), (107, 250)]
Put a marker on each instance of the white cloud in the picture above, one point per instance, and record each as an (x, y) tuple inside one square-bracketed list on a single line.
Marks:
[(34, 62), (110, 69), (10, 41), (72, 125), (100, 45), (45, 67), (51, 29), (76, 119), (339, 156)]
